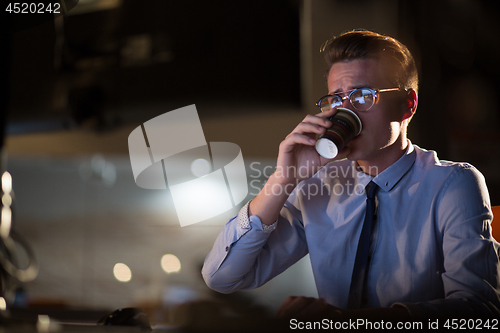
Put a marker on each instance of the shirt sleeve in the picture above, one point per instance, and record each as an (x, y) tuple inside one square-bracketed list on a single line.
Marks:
[(472, 271), (245, 255)]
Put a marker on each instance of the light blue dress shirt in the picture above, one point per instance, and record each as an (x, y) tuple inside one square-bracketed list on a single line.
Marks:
[(431, 250)]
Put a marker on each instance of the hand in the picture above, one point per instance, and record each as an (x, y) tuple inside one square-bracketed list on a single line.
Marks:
[(308, 308), (298, 158)]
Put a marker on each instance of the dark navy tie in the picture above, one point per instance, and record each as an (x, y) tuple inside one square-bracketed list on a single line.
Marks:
[(355, 300)]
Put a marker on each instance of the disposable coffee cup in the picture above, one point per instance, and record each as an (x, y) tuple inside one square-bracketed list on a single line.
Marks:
[(346, 126)]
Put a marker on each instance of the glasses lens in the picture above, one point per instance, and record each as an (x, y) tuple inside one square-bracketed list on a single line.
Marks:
[(362, 99), (329, 102)]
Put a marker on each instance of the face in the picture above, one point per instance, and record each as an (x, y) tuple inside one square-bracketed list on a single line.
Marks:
[(383, 137)]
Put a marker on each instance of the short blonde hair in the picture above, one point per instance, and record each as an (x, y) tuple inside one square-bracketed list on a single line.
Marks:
[(362, 44)]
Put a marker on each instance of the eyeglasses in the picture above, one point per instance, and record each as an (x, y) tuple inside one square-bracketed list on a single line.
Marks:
[(362, 99)]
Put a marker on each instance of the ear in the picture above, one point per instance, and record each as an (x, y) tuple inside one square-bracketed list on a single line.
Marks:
[(410, 105)]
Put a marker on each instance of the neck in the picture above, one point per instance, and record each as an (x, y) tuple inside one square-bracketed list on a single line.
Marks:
[(383, 160)]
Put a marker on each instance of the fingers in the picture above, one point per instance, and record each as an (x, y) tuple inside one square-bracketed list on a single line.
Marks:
[(296, 138), (303, 134), (318, 120), (327, 114), (298, 146), (310, 126), (306, 131)]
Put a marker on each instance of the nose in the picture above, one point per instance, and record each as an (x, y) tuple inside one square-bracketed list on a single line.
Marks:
[(346, 103)]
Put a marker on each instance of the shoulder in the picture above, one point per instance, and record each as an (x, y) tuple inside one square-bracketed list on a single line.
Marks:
[(431, 166), (460, 198), (459, 186)]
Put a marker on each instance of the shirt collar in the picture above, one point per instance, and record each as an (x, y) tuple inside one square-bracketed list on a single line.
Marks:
[(388, 178)]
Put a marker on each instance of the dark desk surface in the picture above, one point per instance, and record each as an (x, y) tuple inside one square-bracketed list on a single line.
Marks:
[(84, 321)]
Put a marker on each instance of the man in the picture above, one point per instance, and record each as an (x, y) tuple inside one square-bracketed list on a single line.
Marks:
[(429, 252)]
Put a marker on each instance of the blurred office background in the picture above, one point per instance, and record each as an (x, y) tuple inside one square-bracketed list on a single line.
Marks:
[(79, 84)]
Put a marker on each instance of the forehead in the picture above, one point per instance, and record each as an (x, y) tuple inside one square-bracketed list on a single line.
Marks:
[(357, 73)]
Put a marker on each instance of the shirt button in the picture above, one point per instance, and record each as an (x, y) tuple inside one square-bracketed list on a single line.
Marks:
[(227, 248)]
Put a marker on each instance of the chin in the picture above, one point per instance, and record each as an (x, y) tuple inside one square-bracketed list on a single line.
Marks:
[(354, 155)]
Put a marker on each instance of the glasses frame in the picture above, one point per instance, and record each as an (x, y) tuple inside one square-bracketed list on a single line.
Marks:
[(374, 92)]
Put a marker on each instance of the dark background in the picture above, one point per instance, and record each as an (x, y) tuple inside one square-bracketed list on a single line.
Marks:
[(102, 67), (170, 52)]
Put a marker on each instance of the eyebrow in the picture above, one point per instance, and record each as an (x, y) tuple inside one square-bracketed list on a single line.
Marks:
[(352, 88)]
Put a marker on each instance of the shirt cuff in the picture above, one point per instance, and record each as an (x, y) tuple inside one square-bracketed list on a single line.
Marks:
[(244, 221)]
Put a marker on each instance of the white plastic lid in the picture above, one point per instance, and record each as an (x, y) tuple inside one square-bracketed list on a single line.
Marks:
[(326, 148)]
